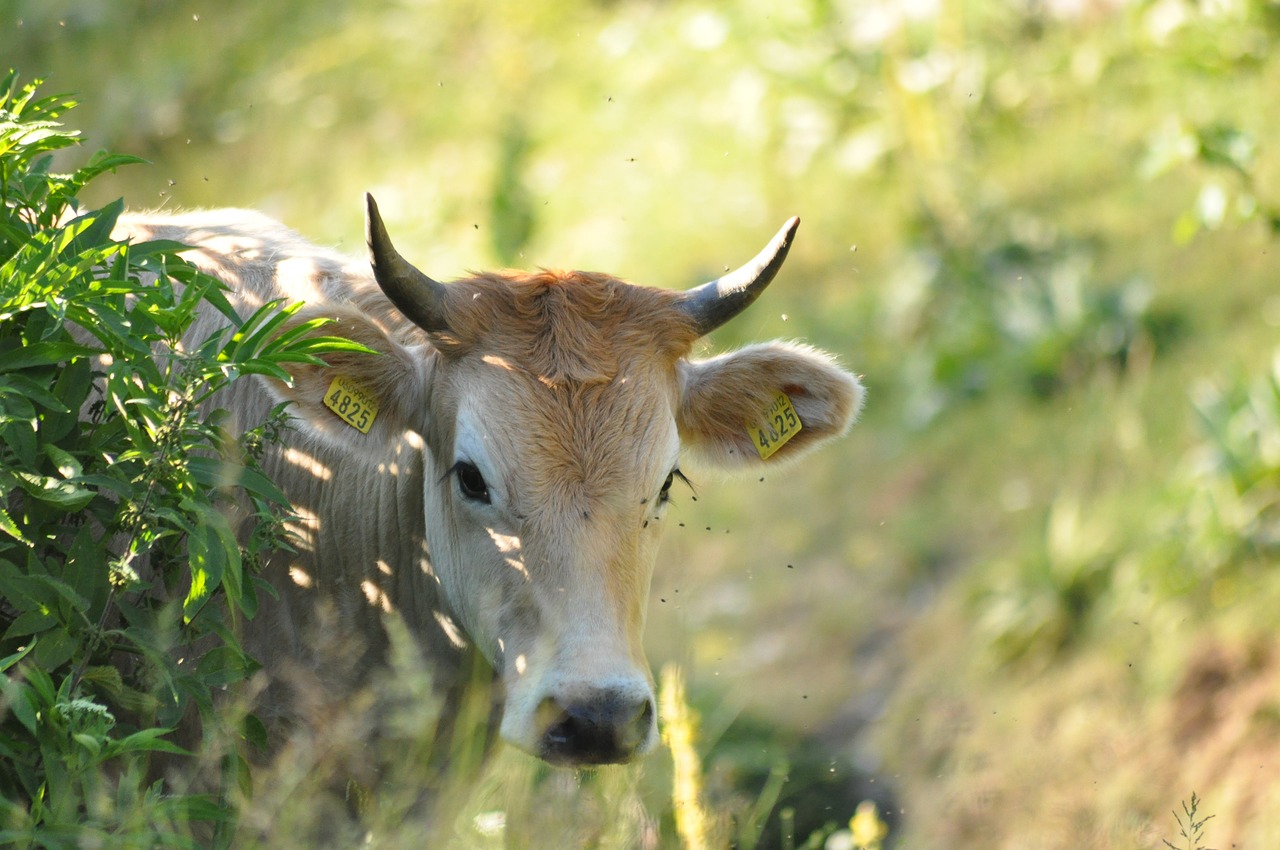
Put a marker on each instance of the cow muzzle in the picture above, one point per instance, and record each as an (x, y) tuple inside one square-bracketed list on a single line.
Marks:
[(602, 726)]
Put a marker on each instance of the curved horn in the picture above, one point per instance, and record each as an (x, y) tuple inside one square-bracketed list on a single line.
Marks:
[(417, 296), (712, 304)]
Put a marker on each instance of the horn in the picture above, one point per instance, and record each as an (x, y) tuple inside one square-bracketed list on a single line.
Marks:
[(712, 304), (417, 296)]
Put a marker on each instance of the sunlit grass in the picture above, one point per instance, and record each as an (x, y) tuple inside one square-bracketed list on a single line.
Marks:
[(305, 797), (679, 731)]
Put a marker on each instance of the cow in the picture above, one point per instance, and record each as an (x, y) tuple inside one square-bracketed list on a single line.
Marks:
[(495, 477)]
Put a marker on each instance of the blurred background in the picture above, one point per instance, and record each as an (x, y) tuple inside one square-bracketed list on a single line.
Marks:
[(1031, 600)]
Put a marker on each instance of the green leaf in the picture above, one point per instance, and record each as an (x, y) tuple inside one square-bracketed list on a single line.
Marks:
[(146, 740), (92, 743), (9, 527), (83, 570), (31, 622), (21, 700), (9, 661), (66, 495), (32, 390), (327, 344), (21, 438), (67, 464), (254, 732), (260, 485), (102, 162), (256, 331), (136, 701), (191, 807), (106, 482), (207, 563), (225, 665), (218, 472), (93, 229), (263, 367), (55, 648), (42, 354), (65, 592)]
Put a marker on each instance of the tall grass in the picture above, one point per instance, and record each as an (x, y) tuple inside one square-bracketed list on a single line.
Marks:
[(679, 733)]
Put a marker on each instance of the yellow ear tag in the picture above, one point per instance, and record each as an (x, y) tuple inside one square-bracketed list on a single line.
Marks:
[(353, 404), (778, 423)]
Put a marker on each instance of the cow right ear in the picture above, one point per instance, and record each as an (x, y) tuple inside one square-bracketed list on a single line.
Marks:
[(358, 401), (764, 404)]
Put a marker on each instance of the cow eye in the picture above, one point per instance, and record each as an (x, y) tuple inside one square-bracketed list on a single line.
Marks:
[(471, 482)]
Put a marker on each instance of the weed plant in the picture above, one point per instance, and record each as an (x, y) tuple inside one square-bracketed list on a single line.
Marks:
[(116, 555), (1191, 829)]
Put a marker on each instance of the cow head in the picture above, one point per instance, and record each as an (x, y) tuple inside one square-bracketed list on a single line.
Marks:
[(555, 409)]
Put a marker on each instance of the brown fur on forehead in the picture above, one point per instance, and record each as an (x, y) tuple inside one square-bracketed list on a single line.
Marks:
[(564, 327), (590, 446)]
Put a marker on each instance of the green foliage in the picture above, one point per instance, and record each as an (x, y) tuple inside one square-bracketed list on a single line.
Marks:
[(1011, 305), (1227, 157), (1233, 511), (116, 554), (1217, 519)]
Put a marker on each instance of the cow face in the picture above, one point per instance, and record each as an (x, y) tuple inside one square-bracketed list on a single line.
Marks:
[(556, 409), (544, 525)]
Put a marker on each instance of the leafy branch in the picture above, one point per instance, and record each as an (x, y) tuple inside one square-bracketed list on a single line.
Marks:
[(117, 555)]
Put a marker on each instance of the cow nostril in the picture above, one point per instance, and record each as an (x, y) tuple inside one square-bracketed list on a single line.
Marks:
[(563, 732), (603, 729), (633, 730), (643, 720)]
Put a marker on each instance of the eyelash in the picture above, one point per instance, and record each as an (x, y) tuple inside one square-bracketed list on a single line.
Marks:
[(664, 495)]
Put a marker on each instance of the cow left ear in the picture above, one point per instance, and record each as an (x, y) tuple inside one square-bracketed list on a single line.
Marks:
[(379, 395), (765, 403)]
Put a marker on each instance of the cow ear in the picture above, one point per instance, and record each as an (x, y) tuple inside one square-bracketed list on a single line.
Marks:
[(387, 386), (764, 404)]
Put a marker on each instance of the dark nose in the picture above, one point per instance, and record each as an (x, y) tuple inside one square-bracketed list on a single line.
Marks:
[(605, 727)]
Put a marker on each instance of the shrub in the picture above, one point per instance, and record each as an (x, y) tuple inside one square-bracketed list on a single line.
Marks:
[(115, 555)]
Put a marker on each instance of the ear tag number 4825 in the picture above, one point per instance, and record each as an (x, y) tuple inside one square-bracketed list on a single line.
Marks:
[(352, 403), (778, 423)]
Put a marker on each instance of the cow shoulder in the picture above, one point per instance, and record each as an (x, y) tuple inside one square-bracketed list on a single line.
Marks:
[(729, 404)]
